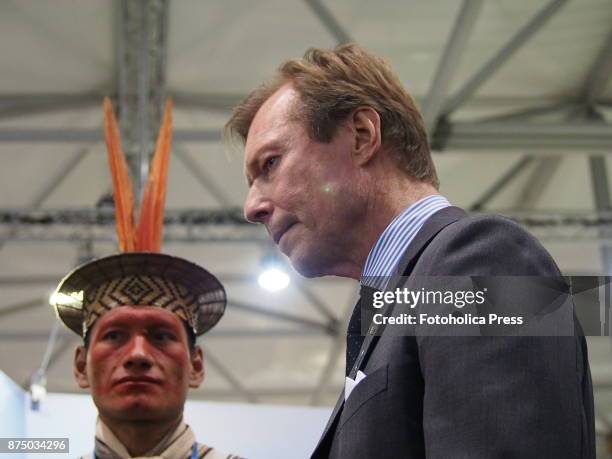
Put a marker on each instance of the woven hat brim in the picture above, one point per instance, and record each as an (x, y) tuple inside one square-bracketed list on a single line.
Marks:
[(68, 297)]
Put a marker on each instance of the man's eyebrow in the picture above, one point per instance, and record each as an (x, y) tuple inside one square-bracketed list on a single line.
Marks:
[(253, 163), (159, 322), (114, 323)]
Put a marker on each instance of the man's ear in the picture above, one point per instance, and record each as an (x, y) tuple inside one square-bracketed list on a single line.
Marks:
[(196, 375), (366, 128), (80, 367)]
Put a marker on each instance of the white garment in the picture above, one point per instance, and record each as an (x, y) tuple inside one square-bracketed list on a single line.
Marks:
[(177, 444)]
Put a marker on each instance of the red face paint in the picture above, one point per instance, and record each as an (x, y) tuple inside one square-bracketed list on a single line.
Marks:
[(139, 364)]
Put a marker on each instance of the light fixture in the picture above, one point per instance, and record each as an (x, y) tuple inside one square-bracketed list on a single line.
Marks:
[(273, 276), (273, 279)]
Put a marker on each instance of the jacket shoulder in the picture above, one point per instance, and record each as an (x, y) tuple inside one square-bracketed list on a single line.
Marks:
[(485, 244)]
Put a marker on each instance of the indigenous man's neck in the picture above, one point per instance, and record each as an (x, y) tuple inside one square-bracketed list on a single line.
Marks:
[(138, 437)]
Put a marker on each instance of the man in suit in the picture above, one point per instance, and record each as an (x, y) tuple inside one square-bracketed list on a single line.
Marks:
[(340, 173)]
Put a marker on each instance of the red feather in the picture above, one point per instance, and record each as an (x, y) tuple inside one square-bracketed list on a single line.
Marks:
[(151, 222), (122, 185)]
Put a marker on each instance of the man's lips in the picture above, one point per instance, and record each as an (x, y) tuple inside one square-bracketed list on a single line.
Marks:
[(277, 235), (137, 380)]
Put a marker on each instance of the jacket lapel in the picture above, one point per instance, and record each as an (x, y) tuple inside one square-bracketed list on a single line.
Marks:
[(328, 431)]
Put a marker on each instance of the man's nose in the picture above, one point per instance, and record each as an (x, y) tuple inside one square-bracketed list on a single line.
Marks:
[(138, 355), (257, 208)]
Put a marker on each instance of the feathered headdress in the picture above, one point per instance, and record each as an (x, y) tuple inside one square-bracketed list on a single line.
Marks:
[(139, 276), (146, 234)]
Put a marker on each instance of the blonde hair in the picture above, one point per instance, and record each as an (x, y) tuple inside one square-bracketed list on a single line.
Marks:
[(331, 85)]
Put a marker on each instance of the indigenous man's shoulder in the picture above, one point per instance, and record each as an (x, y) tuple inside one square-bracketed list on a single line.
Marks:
[(208, 452)]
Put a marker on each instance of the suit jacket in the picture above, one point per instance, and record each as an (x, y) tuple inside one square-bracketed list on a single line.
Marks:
[(470, 396)]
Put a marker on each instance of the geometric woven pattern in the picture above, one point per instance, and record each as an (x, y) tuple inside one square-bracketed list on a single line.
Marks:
[(139, 279), (139, 290)]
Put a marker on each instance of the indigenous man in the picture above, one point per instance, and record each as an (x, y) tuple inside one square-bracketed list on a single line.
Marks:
[(139, 313), (340, 173)]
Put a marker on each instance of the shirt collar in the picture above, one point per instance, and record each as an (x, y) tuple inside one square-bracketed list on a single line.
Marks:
[(395, 239)]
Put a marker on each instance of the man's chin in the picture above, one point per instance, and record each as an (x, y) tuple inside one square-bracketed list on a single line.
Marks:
[(306, 265), (141, 401), (134, 409), (319, 264)]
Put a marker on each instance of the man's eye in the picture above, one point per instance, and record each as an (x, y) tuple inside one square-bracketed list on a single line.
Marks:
[(162, 337), (271, 162), (113, 335)]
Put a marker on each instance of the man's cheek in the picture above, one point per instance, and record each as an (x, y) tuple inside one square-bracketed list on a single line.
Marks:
[(99, 380), (178, 376), (179, 371)]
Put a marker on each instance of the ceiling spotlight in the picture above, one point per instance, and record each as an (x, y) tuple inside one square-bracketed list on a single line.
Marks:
[(273, 275), (273, 279)]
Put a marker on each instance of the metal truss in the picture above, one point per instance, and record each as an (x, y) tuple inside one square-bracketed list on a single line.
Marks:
[(455, 46), (141, 80), (501, 183), (234, 382), (593, 88), (601, 193), (329, 21), (14, 105), (558, 138), (97, 225), (502, 56), (564, 226), (517, 131), (228, 225), (537, 138), (544, 170), (599, 74), (95, 135), (330, 328), (141, 50), (22, 306), (204, 178)]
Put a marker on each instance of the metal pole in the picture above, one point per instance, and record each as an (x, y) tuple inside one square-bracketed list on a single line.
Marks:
[(143, 100), (453, 51), (329, 21), (599, 74), (501, 183), (495, 63)]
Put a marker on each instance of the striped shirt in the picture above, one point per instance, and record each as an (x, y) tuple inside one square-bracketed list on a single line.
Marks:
[(395, 239)]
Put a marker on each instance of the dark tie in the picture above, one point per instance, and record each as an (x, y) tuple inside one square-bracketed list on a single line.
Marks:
[(354, 339), (354, 335)]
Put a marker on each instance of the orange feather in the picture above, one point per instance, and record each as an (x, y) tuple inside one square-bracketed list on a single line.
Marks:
[(151, 222), (122, 185)]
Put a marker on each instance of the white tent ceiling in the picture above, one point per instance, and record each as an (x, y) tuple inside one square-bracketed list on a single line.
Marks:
[(59, 58)]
